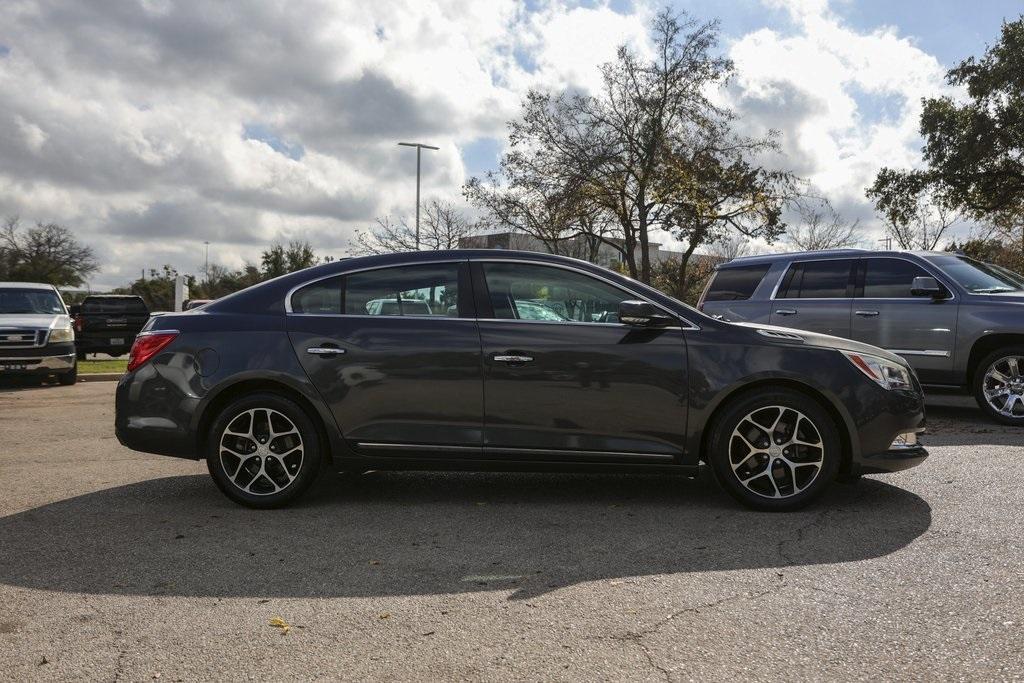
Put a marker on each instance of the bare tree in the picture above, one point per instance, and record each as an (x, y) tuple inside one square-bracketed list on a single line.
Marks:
[(606, 151), (45, 253), (820, 227), (917, 216), (442, 225), (729, 248)]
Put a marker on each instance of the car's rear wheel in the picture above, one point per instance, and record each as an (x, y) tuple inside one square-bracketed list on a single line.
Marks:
[(775, 450), (999, 385), (263, 451)]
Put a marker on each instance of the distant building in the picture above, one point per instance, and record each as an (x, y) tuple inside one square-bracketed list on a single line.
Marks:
[(578, 247)]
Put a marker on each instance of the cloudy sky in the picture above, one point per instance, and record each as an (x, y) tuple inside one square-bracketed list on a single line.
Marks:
[(149, 126)]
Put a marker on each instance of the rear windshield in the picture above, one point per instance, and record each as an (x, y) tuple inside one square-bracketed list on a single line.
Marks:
[(15, 300), (733, 284), (125, 305)]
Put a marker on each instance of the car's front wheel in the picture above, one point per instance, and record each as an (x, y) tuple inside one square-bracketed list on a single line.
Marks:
[(263, 451), (775, 449), (999, 385)]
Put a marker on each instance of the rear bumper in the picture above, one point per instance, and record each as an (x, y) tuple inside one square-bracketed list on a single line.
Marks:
[(41, 365)]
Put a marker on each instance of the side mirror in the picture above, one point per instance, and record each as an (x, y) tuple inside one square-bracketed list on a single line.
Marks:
[(642, 314), (74, 309), (926, 286)]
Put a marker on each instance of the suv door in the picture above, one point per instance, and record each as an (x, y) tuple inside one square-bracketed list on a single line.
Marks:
[(919, 328), (564, 380), (815, 296), (402, 375)]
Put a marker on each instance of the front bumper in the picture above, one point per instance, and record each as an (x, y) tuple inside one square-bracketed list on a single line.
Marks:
[(901, 456), (31, 365)]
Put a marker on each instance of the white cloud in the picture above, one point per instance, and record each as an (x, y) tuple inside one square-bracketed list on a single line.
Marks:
[(829, 89)]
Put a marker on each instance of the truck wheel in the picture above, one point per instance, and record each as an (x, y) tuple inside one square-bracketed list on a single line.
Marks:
[(70, 377), (999, 385), (80, 355)]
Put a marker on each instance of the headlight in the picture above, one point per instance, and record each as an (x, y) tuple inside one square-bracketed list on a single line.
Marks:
[(884, 372), (62, 334)]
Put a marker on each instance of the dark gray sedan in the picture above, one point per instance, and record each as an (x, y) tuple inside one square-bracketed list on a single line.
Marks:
[(487, 360)]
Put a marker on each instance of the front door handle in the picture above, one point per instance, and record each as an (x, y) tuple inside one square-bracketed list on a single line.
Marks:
[(513, 359), (325, 351), (866, 314), (786, 311)]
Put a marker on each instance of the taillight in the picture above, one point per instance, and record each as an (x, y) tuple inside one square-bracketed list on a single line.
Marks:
[(78, 323), (147, 345)]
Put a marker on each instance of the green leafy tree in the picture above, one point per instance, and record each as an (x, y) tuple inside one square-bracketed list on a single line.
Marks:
[(46, 252), (973, 148), (280, 260)]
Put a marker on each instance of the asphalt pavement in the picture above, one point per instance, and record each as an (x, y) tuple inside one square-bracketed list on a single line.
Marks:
[(116, 565)]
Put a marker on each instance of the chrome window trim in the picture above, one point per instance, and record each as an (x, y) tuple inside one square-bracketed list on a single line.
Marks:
[(927, 267), (689, 325), (288, 296)]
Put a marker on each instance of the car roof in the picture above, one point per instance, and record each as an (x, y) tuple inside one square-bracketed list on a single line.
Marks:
[(27, 285), (824, 254)]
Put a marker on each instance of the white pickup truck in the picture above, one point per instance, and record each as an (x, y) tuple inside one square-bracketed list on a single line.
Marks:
[(36, 337)]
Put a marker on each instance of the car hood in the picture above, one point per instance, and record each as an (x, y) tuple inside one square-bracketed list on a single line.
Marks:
[(819, 340), (1004, 298), (32, 321)]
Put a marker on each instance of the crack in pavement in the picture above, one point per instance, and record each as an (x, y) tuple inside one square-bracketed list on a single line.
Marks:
[(637, 637)]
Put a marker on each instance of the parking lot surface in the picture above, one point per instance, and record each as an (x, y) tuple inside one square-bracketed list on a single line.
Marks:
[(116, 565)]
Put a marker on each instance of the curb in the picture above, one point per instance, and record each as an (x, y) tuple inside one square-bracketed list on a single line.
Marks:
[(100, 376)]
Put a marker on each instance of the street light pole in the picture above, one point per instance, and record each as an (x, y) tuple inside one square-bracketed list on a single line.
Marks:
[(207, 243), (419, 147)]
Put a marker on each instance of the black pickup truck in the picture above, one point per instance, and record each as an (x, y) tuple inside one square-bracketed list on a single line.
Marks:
[(108, 323)]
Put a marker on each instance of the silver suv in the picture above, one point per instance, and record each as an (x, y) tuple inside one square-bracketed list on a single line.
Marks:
[(959, 322), (36, 337)]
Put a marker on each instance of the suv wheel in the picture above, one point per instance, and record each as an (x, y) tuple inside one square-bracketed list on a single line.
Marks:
[(999, 385), (775, 450), (263, 451)]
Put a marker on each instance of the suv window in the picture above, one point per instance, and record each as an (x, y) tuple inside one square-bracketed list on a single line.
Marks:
[(109, 304), (430, 289), (817, 280), (890, 278), (734, 284), (530, 292)]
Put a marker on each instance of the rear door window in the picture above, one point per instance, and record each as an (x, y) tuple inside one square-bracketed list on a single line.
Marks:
[(736, 284), (818, 280), (421, 290), (890, 278)]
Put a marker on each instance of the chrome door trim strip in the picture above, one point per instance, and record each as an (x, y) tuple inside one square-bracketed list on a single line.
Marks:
[(935, 353), (927, 267)]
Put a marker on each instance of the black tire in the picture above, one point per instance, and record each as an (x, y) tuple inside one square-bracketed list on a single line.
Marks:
[(70, 377), (997, 358), (768, 473), (80, 355), (257, 491)]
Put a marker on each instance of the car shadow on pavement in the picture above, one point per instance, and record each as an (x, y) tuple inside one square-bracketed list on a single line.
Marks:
[(957, 421), (384, 534)]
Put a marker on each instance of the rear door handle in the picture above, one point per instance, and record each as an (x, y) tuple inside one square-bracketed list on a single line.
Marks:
[(513, 359), (866, 314), (786, 311), (325, 351)]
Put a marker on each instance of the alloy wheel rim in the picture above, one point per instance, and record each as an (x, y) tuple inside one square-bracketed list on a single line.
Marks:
[(261, 451), (1003, 386), (776, 452)]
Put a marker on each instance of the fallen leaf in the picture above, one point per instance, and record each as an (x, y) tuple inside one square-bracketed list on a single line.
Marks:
[(374, 562), (278, 622), (429, 633), (384, 615)]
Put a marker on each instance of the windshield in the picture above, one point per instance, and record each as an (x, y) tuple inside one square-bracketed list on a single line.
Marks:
[(27, 301), (974, 276)]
